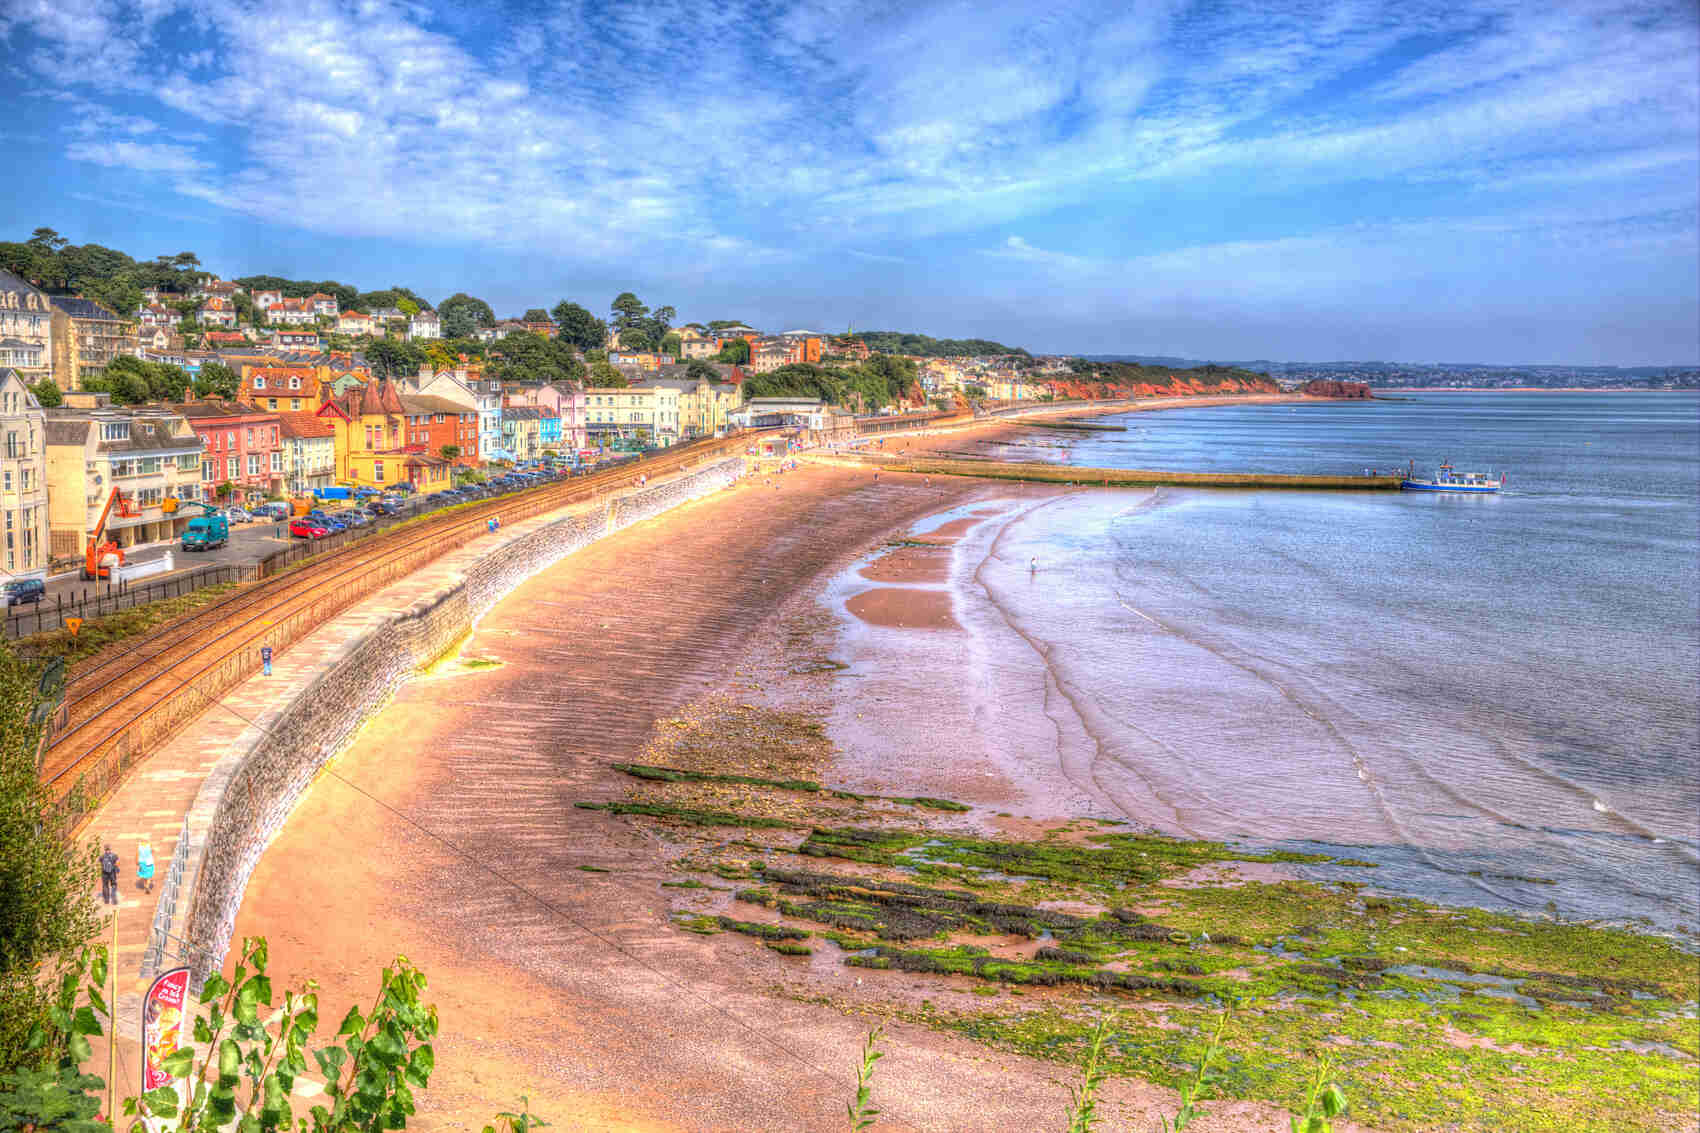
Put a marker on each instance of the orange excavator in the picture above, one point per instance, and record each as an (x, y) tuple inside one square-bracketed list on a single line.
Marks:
[(99, 557)]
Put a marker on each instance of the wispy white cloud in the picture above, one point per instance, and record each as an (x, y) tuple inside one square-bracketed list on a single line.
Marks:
[(144, 157), (740, 133)]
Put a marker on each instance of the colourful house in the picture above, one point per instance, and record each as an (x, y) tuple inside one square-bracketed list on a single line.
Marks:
[(372, 450)]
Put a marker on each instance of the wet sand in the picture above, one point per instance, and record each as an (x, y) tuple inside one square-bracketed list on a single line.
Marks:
[(447, 833), (901, 607)]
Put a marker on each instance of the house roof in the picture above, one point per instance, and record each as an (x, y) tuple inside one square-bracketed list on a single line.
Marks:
[(79, 308), (426, 403), (10, 282), (275, 379), (217, 408), (304, 425), (521, 413)]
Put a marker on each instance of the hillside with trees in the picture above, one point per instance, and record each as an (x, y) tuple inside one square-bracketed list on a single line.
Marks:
[(878, 382), (106, 275), (924, 346), (1087, 378)]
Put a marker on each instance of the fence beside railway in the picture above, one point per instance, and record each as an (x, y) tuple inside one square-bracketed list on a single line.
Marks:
[(98, 599), (246, 799)]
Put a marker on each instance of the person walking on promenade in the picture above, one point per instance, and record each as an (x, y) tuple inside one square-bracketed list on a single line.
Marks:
[(109, 876), (144, 866)]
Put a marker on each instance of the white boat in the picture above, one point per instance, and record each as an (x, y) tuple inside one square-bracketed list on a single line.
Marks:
[(1448, 479)]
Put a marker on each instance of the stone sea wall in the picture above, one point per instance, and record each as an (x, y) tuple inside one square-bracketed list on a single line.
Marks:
[(246, 800)]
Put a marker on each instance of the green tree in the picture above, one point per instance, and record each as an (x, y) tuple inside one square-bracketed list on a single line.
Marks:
[(636, 338), (449, 452), (603, 375), (408, 307), (672, 344), (697, 370), (735, 351), (46, 881), (578, 326), (462, 314), (47, 393), (216, 380), (658, 323), (535, 315), (627, 312), (390, 359)]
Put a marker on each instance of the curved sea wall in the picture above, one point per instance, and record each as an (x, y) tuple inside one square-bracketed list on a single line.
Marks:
[(246, 799)]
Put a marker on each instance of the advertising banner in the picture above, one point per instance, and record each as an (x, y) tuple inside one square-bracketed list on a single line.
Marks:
[(162, 1025)]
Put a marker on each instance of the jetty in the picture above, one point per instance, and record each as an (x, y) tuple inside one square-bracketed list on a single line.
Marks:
[(1074, 426), (1040, 471)]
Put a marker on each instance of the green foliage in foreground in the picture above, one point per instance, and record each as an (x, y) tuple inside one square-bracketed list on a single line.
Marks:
[(371, 1068), (46, 882)]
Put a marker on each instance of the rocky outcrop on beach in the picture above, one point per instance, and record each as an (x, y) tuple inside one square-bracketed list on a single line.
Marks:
[(1342, 391)]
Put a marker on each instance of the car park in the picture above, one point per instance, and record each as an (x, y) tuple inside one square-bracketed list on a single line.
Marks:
[(306, 527), (21, 591)]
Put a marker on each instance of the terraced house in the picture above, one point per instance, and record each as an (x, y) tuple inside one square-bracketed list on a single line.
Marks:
[(148, 453), (282, 389), (648, 414), (309, 452), (86, 336), (243, 448), (23, 480)]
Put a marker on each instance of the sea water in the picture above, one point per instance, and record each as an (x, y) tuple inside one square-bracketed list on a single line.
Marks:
[(1494, 698)]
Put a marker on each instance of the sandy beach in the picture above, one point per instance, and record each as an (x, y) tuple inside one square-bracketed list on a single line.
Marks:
[(448, 833)]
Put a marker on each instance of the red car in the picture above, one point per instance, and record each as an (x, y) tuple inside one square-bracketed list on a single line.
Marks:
[(304, 528)]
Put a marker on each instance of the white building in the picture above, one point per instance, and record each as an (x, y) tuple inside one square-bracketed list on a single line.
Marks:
[(424, 325), (23, 481)]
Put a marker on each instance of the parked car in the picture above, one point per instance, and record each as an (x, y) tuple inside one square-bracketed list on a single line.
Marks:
[(326, 520), (306, 527), (19, 591), (237, 515), (354, 517), (365, 493), (384, 507)]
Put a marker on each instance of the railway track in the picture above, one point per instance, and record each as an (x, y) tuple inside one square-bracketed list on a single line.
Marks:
[(131, 700)]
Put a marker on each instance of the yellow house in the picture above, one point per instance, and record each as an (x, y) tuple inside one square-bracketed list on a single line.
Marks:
[(648, 413), (371, 442), (704, 406)]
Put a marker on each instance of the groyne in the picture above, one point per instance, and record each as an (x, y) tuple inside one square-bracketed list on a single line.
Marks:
[(247, 797), (1117, 477)]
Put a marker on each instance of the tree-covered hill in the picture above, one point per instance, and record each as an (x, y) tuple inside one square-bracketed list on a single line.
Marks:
[(924, 346), (878, 382)]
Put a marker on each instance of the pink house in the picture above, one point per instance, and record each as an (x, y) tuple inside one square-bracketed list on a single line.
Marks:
[(241, 446)]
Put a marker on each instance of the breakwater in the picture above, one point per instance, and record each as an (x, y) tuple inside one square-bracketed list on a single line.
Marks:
[(246, 799), (1120, 477)]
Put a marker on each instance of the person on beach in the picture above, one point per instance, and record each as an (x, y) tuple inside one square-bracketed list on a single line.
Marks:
[(1033, 565), (109, 876), (144, 866)]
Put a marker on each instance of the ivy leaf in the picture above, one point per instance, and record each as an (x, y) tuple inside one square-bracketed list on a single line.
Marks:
[(97, 970), (84, 1022), (80, 1050), (162, 1102), (229, 1063), (352, 1023)]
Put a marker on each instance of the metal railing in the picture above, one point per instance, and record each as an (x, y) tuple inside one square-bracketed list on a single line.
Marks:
[(160, 936), (101, 598)]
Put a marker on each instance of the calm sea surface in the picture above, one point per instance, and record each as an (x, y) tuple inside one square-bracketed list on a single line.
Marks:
[(1495, 698)]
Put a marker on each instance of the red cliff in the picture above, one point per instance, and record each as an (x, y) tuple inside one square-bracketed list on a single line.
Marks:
[(1340, 391)]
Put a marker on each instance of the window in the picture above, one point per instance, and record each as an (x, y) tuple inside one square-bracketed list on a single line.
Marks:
[(230, 439), (7, 484), (271, 403), (277, 460), (231, 468), (259, 382), (294, 383), (253, 464), (207, 470), (114, 430), (378, 471)]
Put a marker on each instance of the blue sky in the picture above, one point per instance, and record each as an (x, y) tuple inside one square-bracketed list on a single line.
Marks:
[(1421, 180)]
